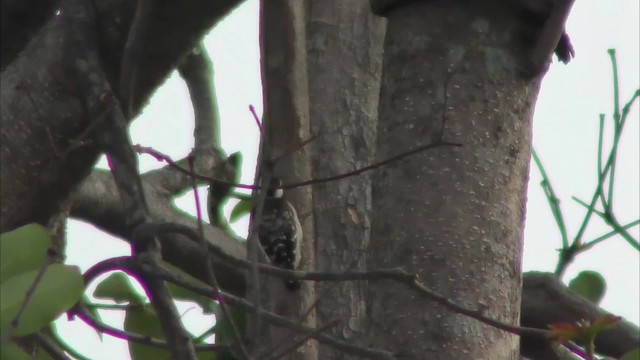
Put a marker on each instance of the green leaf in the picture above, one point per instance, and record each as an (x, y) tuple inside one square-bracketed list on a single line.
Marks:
[(242, 208), (117, 287), (632, 355), (22, 250), (143, 321), (224, 331), (235, 160), (182, 294), (59, 289), (604, 322), (42, 355), (207, 304), (13, 352), (590, 285)]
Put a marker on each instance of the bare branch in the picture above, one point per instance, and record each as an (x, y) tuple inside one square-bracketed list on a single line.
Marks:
[(301, 342), (211, 277), (81, 312), (546, 300), (97, 202), (549, 37), (197, 71), (162, 157), (127, 264), (32, 190), (49, 346), (270, 317), (112, 136), (131, 56)]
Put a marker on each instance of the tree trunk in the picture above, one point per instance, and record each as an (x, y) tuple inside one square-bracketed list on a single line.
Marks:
[(286, 114), (453, 216), (344, 43)]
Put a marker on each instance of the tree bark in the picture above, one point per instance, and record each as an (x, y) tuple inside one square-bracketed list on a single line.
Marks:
[(453, 216), (47, 147), (344, 63), (286, 118)]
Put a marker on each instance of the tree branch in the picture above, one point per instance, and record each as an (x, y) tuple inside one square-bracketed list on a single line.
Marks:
[(80, 310), (542, 304), (549, 37), (197, 72), (209, 274), (33, 189), (96, 202), (270, 317), (545, 300), (21, 19), (131, 55)]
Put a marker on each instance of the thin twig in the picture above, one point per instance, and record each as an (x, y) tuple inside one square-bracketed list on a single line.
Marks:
[(589, 244), (301, 342), (128, 265), (308, 311), (253, 251), (147, 250), (167, 159), (603, 170), (256, 118), (395, 274), (125, 263), (48, 345), (609, 218), (48, 260), (270, 317), (81, 312), (372, 166), (211, 277), (197, 72), (294, 149), (552, 199), (162, 157)]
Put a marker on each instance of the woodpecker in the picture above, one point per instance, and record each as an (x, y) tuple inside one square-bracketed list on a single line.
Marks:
[(280, 232)]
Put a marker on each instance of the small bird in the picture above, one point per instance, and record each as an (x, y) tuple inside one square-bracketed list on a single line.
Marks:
[(280, 232)]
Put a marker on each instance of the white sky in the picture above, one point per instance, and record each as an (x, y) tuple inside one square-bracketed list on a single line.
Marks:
[(565, 136)]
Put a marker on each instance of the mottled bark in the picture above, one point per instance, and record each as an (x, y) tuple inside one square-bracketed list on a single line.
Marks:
[(47, 146), (453, 216), (286, 118), (344, 43)]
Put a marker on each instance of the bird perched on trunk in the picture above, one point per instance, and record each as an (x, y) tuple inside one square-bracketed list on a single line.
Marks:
[(280, 232)]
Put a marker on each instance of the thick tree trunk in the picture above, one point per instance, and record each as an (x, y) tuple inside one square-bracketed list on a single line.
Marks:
[(286, 114), (453, 216), (342, 64), (344, 43)]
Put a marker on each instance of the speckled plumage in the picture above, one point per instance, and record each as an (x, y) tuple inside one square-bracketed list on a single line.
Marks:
[(279, 232)]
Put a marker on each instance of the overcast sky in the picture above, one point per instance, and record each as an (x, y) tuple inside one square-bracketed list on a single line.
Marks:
[(565, 136)]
